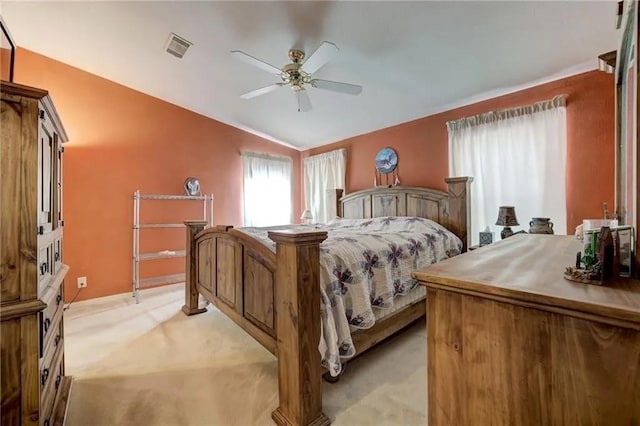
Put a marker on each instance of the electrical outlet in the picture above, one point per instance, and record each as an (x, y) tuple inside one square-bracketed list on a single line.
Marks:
[(82, 282)]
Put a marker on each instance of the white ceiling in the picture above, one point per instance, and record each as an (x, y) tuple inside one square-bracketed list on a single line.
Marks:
[(412, 58)]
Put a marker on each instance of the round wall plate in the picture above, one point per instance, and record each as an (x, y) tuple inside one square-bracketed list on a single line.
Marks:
[(386, 160)]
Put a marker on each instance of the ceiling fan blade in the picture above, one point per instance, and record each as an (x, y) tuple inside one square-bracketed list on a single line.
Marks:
[(336, 86), (321, 56), (304, 103), (244, 57), (261, 91)]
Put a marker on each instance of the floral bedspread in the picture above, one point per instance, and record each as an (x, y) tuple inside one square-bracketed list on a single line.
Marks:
[(366, 264)]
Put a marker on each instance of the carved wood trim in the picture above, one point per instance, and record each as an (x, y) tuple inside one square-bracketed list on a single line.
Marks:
[(609, 58), (22, 90), (395, 190), (20, 309)]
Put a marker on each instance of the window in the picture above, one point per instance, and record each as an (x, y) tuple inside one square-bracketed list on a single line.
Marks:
[(267, 189), (323, 174), (517, 158)]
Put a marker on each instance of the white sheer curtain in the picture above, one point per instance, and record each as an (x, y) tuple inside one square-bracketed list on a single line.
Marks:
[(517, 157), (323, 173), (267, 189)]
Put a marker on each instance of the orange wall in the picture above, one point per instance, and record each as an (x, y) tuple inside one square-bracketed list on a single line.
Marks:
[(5, 63), (122, 140), (422, 144)]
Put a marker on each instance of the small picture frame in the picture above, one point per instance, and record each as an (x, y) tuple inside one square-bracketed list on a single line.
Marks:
[(625, 253), (191, 186), (7, 44)]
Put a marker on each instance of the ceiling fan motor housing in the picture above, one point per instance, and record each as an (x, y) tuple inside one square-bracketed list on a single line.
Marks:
[(296, 55)]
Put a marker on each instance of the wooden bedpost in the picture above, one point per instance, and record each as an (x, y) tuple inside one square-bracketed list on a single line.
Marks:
[(190, 290), (460, 208), (298, 328), (339, 193)]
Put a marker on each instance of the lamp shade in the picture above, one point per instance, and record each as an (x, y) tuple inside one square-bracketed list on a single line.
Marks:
[(306, 215), (507, 216)]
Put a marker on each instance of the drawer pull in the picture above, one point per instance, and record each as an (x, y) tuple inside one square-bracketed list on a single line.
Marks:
[(57, 340), (58, 299), (44, 376), (58, 379), (43, 268), (56, 256), (47, 324)]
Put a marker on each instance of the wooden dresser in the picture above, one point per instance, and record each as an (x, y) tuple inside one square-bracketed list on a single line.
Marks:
[(511, 342), (34, 388)]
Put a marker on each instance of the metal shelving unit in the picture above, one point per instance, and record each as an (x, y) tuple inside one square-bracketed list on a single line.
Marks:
[(140, 283)]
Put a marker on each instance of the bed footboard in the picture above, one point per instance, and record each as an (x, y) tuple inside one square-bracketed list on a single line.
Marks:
[(238, 275)]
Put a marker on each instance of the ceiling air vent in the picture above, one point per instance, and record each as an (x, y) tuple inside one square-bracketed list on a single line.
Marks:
[(177, 46)]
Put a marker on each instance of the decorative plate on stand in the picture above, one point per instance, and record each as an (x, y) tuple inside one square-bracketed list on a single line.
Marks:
[(192, 186), (386, 168)]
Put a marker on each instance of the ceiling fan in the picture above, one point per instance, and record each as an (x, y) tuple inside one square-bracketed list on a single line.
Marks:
[(299, 73)]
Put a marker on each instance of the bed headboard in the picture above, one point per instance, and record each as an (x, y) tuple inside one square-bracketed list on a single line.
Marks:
[(450, 209)]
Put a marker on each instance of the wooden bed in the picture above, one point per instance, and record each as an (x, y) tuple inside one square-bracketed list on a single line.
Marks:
[(275, 297)]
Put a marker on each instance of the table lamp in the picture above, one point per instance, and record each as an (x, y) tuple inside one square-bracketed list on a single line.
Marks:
[(306, 216), (507, 218)]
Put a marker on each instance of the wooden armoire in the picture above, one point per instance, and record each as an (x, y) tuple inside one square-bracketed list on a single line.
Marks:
[(34, 388)]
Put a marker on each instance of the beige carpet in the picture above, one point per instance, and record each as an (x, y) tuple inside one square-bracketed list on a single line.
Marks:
[(148, 364)]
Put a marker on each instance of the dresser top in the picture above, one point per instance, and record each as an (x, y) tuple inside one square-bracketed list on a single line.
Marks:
[(530, 268)]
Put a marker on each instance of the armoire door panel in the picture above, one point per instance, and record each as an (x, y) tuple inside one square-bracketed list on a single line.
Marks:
[(45, 163), (11, 113), (57, 185)]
